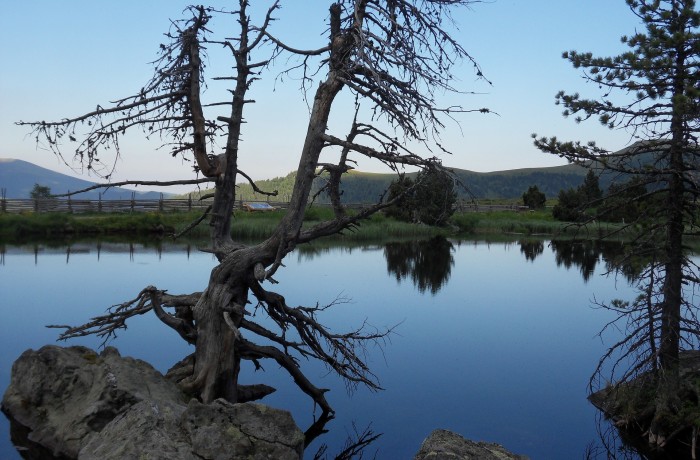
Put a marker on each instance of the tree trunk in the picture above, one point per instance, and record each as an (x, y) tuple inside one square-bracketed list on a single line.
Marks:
[(667, 395), (672, 295), (219, 311), (675, 223), (217, 361)]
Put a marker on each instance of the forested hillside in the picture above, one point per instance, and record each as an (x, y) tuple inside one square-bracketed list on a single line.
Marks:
[(513, 183), (362, 187)]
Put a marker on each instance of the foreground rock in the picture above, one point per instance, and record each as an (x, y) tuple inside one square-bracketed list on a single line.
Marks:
[(73, 403), (446, 445)]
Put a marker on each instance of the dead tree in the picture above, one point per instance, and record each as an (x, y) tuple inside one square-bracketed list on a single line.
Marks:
[(392, 55)]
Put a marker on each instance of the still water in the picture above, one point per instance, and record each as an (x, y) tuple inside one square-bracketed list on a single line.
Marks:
[(495, 341)]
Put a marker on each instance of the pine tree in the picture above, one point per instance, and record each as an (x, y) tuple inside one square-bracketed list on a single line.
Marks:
[(435, 196), (429, 199), (651, 91), (533, 198), (40, 192), (591, 187)]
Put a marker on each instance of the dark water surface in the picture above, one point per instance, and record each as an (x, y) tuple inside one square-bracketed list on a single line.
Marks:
[(495, 341)]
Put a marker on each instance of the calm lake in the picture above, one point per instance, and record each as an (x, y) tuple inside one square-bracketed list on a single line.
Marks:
[(495, 341)]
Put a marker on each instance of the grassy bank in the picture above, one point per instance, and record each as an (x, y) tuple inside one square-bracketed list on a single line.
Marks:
[(51, 225), (533, 223), (256, 226), (245, 226)]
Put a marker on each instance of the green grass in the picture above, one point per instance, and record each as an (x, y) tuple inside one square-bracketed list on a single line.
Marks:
[(23, 227), (539, 222), (529, 223), (256, 226)]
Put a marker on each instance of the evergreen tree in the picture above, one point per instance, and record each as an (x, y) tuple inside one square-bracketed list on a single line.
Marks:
[(401, 191), (570, 206), (652, 90), (435, 197), (590, 189), (621, 204), (573, 203), (40, 192), (533, 198), (430, 199)]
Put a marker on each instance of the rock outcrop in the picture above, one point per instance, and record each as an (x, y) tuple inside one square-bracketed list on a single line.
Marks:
[(74, 403), (446, 445)]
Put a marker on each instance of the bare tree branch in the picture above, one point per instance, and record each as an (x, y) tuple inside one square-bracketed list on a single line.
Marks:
[(137, 182)]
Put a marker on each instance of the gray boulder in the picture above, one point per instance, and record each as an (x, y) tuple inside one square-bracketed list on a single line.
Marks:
[(446, 445), (78, 404)]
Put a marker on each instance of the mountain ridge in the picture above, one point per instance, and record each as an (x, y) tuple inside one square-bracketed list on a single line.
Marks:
[(367, 187), (17, 178)]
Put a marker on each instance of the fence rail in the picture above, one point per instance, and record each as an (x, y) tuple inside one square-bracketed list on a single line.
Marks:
[(10, 205)]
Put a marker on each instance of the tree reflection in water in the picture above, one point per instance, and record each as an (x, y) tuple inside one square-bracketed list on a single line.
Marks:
[(638, 344), (531, 249), (585, 255), (427, 263)]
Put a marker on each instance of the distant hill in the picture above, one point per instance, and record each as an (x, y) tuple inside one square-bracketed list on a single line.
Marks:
[(362, 187), (18, 177), (509, 184)]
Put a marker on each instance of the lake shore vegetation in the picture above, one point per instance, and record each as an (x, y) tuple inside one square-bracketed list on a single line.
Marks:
[(16, 228)]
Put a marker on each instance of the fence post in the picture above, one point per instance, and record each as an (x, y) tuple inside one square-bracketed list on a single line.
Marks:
[(70, 204), (3, 202), (189, 202), (99, 202), (160, 202), (133, 201)]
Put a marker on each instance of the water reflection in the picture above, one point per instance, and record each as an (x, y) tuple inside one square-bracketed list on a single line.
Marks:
[(500, 335), (98, 248), (426, 263), (586, 256), (611, 445), (582, 254), (531, 249)]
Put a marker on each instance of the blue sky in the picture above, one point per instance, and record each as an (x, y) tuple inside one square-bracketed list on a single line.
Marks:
[(62, 58)]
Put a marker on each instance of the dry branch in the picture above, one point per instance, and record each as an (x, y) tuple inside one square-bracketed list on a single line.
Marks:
[(106, 326)]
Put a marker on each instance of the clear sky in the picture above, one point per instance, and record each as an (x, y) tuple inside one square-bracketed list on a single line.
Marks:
[(62, 58)]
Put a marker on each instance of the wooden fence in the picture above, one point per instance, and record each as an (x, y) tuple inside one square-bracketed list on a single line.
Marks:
[(70, 205), (470, 206)]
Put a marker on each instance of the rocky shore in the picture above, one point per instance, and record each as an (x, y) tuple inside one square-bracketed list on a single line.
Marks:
[(72, 403)]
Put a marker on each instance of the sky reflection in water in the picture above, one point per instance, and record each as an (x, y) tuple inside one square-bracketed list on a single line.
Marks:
[(498, 345)]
